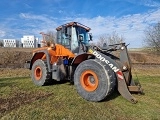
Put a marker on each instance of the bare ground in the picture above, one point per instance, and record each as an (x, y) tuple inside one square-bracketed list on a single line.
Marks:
[(20, 98)]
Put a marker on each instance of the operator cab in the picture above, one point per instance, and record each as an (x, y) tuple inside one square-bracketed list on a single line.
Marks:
[(74, 36)]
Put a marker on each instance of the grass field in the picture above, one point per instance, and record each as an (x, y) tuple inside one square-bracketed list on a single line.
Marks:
[(21, 99)]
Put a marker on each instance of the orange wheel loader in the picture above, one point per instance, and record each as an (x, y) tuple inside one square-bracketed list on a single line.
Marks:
[(95, 71)]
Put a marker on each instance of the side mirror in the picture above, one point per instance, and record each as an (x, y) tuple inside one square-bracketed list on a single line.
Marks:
[(90, 37)]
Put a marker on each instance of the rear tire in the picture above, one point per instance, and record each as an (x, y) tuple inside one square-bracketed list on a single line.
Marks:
[(40, 75), (94, 81)]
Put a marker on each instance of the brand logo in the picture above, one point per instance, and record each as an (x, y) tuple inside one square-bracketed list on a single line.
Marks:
[(100, 57)]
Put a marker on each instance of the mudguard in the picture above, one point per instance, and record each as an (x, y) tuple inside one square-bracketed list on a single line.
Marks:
[(38, 55), (80, 58)]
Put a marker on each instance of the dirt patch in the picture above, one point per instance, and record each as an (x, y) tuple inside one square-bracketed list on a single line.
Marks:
[(19, 99)]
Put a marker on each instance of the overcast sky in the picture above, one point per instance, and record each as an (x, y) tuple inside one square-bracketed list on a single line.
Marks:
[(128, 18)]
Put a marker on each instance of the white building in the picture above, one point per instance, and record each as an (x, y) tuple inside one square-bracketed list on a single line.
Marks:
[(29, 41), (10, 43)]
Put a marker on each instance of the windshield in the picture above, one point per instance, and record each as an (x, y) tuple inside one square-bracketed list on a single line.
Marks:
[(63, 39)]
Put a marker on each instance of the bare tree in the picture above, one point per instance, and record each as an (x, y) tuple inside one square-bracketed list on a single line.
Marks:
[(114, 38), (51, 36), (152, 36), (48, 38), (109, 39), (102, 39)]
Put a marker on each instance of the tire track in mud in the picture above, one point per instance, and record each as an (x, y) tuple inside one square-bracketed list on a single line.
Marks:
[(20, 99)]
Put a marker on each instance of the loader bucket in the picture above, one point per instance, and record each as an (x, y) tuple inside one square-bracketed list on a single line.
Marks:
[(126, 91)]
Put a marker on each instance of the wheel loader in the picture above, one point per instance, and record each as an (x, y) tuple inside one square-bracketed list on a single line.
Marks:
[(94, 70)]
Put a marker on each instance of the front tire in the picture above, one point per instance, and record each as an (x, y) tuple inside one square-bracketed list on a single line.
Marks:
[(40, 75), (94, 81)]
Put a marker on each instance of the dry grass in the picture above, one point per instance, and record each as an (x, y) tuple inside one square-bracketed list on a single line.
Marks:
[(17, 49), (18, 72), (146, 70), (14, 57), (144, 57)]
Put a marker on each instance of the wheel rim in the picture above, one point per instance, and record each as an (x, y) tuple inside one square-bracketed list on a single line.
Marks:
[(38, 73), (89, 80)]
